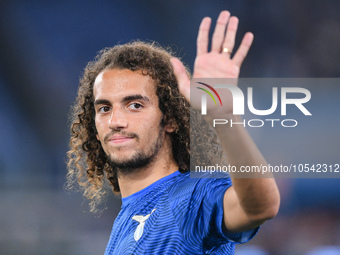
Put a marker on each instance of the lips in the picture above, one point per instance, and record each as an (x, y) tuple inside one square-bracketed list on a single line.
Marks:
[(120, 139)]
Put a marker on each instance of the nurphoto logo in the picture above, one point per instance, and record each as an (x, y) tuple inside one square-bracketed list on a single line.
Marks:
[(296, 96)]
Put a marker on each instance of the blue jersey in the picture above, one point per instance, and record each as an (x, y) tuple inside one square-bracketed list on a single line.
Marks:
[(175, 215)]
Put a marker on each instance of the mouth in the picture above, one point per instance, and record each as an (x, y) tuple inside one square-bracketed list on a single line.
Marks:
[(120, 139)]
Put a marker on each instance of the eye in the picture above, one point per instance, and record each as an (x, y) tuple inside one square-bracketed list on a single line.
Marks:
[(104, 109), (135, 106)]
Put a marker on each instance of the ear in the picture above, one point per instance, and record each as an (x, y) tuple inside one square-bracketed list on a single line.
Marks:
[(171, 127), (97, 137)]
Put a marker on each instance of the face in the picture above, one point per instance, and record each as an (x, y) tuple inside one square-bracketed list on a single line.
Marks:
[(128, 119)]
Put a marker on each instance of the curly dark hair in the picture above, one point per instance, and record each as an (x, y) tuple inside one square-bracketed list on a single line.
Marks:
[(88, 165)]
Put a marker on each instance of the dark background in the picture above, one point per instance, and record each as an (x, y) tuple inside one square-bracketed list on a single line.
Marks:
[(44, 47)]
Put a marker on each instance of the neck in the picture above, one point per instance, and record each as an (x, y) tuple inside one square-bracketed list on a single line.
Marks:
[(162, 165)]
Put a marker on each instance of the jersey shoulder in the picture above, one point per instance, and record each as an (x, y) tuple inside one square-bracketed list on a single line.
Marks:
[(185, 188)]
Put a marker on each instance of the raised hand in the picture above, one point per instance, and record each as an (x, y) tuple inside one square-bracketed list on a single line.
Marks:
[(217, 63)]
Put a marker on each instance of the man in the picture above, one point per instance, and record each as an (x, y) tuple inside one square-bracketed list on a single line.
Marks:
[(131, 125)]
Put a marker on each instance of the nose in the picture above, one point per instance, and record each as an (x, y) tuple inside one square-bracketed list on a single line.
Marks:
[(118, 119)]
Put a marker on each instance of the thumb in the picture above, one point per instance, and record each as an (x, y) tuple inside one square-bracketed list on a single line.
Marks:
[(182, 77)]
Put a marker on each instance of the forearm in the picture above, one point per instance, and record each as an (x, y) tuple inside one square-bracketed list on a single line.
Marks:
[(257, 195)]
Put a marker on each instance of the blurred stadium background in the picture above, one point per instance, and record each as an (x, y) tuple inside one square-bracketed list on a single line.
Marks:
[(44, 48)]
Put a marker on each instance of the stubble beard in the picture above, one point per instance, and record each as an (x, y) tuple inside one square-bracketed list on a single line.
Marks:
[(139, 160)]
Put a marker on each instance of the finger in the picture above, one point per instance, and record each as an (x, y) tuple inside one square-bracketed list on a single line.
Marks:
[(182, 77), (242, 51), (219, 33), (229, 41), (203, 36)]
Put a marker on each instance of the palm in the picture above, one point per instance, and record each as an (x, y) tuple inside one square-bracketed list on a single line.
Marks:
[(215, 65)]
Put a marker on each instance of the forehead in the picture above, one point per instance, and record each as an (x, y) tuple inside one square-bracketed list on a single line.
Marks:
[(122, 82)]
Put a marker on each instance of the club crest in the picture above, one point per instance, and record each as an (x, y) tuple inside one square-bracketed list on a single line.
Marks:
[(140, 228)]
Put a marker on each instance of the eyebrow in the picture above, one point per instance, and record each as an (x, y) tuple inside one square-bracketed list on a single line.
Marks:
[(127, 98), (101, 101), (134, 97)]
